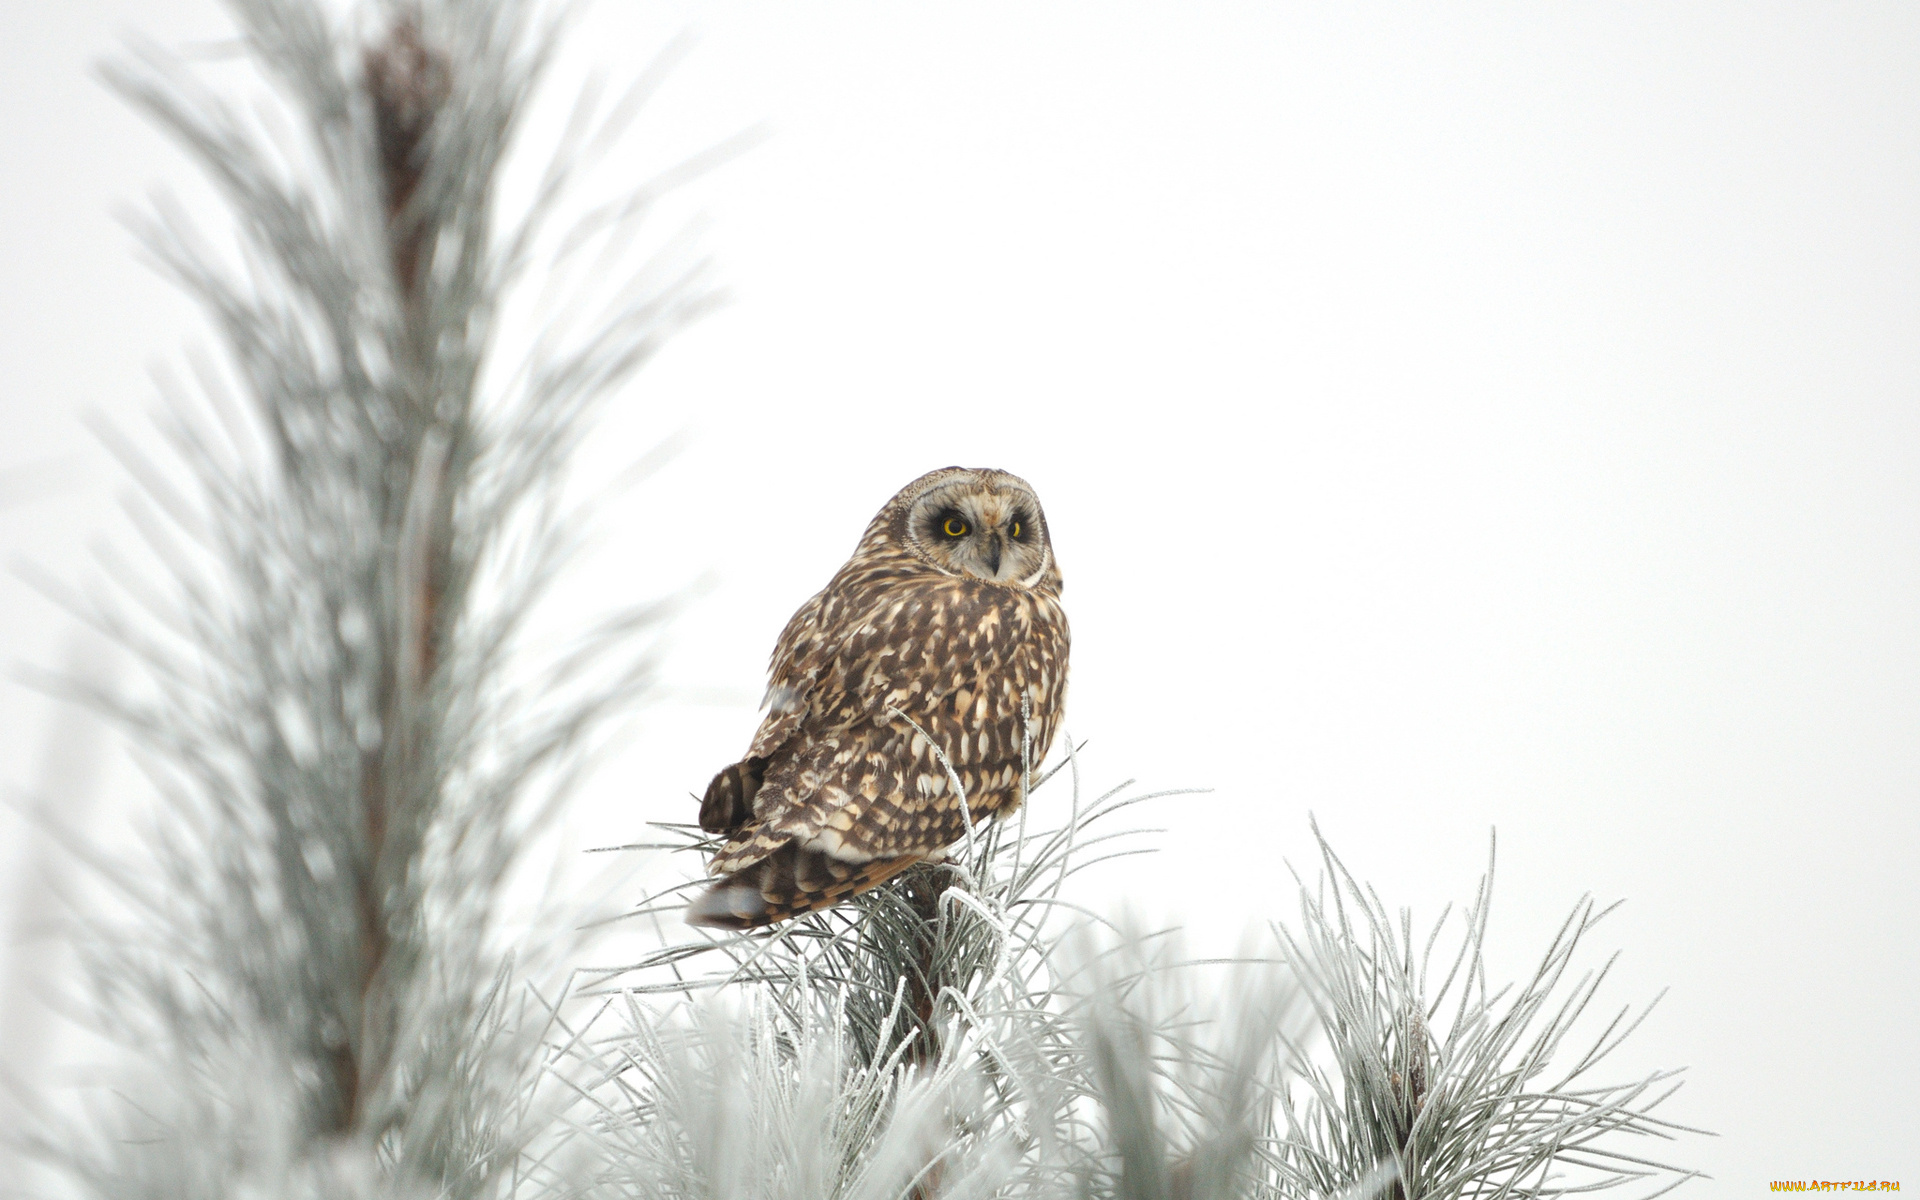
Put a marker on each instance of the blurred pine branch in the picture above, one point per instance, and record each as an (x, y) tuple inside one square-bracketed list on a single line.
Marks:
[(353, 740)]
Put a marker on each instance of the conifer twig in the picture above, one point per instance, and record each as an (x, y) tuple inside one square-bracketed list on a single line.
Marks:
[(354, 742)]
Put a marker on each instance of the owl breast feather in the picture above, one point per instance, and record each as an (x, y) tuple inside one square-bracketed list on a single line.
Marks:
[(924, 689)]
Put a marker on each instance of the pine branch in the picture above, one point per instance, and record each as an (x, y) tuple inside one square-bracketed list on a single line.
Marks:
[(352, 741), (1091, 1059), (1451, 1082)]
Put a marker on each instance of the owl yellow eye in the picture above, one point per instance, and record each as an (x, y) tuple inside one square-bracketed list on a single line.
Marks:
[(1016, 529), (954, 527)]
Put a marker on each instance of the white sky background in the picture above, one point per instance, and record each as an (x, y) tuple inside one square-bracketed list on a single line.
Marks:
[(1449, 419)]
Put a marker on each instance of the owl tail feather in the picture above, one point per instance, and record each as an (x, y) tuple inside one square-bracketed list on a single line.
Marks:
[(790, 881)]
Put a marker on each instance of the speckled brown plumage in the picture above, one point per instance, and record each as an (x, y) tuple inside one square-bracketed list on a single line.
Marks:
[(923, 626)]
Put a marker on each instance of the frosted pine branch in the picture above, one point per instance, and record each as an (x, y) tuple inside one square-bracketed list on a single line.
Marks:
[(352, 742)]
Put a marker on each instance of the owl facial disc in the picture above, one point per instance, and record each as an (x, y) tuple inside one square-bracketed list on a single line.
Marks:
[(988, 527)]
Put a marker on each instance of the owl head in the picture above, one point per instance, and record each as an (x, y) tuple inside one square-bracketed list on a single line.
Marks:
[(980, 523)]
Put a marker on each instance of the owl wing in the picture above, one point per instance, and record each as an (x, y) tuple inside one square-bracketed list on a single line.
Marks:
[(844, 656), (845, 773), (802, 653), (797, 659)]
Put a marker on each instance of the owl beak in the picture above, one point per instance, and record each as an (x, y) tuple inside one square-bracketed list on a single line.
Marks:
[(993, 554)]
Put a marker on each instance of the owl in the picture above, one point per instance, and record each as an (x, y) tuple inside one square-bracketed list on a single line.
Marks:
[(933, 639)]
